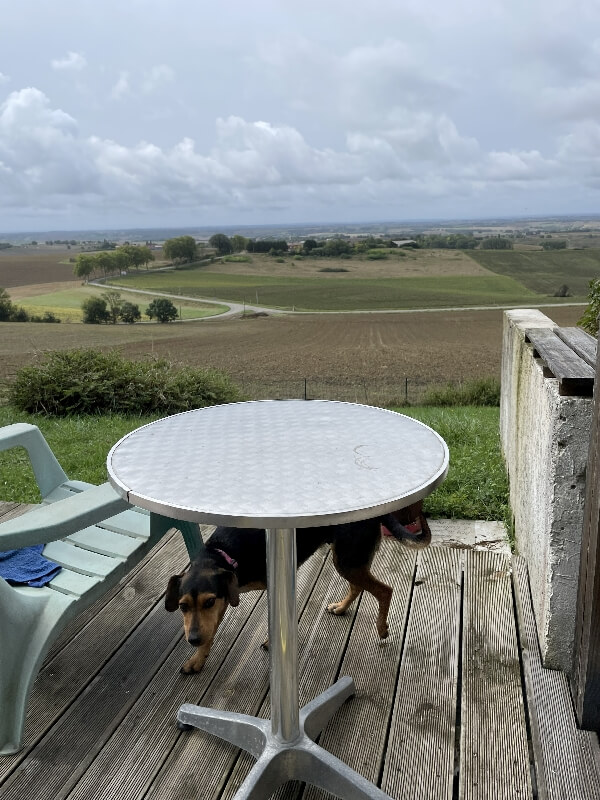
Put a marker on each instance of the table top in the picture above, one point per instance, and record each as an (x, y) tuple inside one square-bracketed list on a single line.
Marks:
[(278, 463)]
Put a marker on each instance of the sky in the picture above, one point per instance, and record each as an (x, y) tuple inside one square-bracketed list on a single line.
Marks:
[(144, 113)]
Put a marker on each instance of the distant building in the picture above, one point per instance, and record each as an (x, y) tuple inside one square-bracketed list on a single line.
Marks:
[(403, 242)]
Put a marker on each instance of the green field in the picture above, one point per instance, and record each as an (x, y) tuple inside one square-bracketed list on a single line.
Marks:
[(544, 271), (66, 304), (340, 293)]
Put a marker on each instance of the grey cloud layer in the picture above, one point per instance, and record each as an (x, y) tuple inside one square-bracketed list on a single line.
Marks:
[(409, 108)]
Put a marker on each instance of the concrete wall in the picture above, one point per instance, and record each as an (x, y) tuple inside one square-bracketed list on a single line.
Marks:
[(545, 444)]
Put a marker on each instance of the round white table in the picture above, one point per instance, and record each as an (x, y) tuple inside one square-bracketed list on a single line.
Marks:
[(280, 464)]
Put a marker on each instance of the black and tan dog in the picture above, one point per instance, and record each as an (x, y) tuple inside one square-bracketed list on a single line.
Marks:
[(234, 561)]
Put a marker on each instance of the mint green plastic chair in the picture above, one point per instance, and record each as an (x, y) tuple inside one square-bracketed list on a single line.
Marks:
[(94, 535)]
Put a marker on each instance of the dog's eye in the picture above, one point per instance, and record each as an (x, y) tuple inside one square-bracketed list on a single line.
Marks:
[(183, 607), (209, 603)]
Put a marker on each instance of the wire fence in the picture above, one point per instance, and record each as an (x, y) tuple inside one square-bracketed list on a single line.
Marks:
[(393, 392)]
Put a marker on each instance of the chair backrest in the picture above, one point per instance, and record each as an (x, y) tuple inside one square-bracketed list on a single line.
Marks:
[(48, 472)]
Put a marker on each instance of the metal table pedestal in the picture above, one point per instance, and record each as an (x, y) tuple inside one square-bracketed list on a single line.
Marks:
[(284, 747)]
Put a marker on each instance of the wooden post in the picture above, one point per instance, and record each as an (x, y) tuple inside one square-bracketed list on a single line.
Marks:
[(585, 680)]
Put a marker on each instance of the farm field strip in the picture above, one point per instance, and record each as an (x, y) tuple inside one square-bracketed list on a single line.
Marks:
[(544, 271), (398, 264), (23, 267), (66, 303), (361, 352), (338, 293)]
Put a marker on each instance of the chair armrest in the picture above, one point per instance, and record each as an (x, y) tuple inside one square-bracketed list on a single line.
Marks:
[(62, 518), (48, 472)]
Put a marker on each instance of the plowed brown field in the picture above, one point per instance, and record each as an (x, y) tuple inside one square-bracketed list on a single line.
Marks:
[(346, 356), (24, 266)]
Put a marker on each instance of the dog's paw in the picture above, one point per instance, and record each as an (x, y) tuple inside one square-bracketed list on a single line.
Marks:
[(383, 630), (336, 608), (192, 665)]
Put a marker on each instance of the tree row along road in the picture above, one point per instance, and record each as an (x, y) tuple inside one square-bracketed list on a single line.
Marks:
[(239, 308)]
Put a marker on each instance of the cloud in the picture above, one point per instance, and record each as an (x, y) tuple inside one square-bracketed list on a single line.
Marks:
[(364, 85), (576, 102), (4, 78), (157, 77), (40, 149), (72, 62), (48, 163), (121, 87)]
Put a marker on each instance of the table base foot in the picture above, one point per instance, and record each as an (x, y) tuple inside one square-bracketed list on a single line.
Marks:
[(278, 762)]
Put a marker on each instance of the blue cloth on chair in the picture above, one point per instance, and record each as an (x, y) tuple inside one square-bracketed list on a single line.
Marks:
[(27, 566)]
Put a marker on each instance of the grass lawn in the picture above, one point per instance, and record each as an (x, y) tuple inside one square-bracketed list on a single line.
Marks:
[(339, 293), (476, 486), (66, 304)]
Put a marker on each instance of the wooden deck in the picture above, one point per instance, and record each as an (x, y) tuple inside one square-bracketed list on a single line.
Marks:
[(455, 704)]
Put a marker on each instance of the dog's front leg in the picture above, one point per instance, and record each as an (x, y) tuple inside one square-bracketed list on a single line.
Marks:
[(196, 662)]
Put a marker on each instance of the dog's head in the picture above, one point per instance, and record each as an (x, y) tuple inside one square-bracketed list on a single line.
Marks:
[(202, 594)]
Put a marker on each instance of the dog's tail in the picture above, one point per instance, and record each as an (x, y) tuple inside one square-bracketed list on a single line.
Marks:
[(401, 533)]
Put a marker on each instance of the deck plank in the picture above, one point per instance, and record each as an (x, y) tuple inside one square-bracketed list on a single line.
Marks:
[(58, 762), (421, 755), (566, 759), (494, 755), (574, 374), (135, 753), (359, 731), (196, 764), (322, 639), (581, 342), (101, 724)]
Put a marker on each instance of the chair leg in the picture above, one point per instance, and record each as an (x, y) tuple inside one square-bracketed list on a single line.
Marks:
[(190, 531), (30, 621)]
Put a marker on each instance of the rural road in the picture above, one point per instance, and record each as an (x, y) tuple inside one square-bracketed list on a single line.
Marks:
[(239, 308)]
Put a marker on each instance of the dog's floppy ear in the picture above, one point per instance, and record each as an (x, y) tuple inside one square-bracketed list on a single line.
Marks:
[(172, 595), (233, 589)]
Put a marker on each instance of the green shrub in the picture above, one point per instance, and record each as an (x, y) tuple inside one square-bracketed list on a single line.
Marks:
[(93, 382), (237, 259), (95, 311), (589, 320), (334, 269), (163, 309), (376, 255), (479, 392)]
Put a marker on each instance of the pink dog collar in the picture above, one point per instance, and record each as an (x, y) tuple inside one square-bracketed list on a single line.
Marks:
[(227, 558)]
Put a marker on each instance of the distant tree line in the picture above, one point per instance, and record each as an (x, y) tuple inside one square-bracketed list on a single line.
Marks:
[(340, 247), (555, 244), (496, 243), (5, 245), (103, 245), (453, 241), (107, 263), (272, 246), (9, 312)]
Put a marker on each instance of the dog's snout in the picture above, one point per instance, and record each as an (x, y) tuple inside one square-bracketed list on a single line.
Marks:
[(194, 639)]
